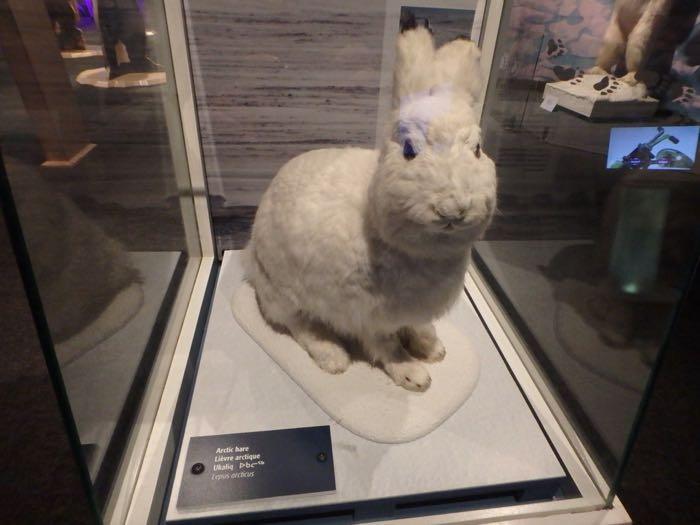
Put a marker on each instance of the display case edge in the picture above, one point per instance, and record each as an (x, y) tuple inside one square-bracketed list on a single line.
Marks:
[(182, 70), (534, 384), (135, 488), (548, 513)]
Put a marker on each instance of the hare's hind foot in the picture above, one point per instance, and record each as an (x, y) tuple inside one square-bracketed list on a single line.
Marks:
[(422, 342), (322, 346), (399, 365)]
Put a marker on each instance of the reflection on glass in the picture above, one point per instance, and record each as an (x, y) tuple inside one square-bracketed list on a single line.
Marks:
[(593, 241), (95, 166)]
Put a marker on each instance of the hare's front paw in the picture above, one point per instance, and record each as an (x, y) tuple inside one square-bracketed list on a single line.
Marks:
[(423, 343), (435, 352), (324, 350), (410, 375), (330, 357)]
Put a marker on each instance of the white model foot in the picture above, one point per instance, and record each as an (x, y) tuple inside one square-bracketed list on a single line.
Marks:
[(327, 353), (422, 342), (596, 70), (410, 375)]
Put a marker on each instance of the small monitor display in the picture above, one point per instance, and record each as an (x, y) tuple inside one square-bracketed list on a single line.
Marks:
[(653, 148)]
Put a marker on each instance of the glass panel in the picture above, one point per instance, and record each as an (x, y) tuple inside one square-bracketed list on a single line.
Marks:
[(92, 145), (594, 239), (307, 76)]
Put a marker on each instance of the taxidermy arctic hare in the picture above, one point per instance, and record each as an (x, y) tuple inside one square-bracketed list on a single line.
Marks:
[(373, 245)]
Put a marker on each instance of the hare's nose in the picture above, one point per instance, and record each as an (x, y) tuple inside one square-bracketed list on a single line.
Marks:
[(453, 217), (451, 211)]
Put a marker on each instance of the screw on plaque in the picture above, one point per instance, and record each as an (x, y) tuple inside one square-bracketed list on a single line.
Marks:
[(322, 457), (197, 468)]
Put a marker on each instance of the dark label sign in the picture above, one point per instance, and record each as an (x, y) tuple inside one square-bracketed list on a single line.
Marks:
[(233, 467)]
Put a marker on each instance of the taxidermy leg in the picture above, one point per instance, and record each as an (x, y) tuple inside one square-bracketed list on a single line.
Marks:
[(667, 38), (321, 344), (404, 370), (110, 27), (422, 342), (639, 40), (613, 51)]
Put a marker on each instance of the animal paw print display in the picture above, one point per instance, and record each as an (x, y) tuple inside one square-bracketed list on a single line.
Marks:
[(575, 75), (607, 85), (686, 101), (555, 48), (687, 96)]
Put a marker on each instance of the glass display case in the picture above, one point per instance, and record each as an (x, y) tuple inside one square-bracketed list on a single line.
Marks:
[(409, 261)]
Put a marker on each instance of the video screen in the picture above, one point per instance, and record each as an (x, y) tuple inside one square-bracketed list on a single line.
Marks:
[(653, 148)]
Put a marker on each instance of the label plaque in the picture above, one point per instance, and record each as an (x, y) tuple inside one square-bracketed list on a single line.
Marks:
[(234, 467)]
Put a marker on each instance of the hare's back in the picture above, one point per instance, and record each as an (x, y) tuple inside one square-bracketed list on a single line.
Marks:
[(322, 189), (315, 205), (339, 174)]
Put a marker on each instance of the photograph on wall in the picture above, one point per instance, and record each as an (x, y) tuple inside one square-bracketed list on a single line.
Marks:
[(653, 148)]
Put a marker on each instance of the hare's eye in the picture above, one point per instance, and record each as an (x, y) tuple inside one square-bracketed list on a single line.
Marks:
[(477, 151), (409, 153)]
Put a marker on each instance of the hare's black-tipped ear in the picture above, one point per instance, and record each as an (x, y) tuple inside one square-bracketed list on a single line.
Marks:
[(413, 71), (408, 21), (459, 63)]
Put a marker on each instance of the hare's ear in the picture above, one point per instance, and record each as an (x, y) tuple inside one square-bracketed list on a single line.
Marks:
[(458, 63), (413, 71)]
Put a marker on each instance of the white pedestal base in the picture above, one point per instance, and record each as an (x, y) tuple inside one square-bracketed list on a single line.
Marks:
[(595, 97), (89, 51), (493, 440), (99, 77)]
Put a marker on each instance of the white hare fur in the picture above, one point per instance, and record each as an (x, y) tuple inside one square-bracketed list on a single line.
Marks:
[(369, 245)]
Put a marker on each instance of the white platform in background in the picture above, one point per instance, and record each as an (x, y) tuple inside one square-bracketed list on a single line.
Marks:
[(89, 51), (364, 399), (99, 77), (492, 439), (99, 381), (617, 100)]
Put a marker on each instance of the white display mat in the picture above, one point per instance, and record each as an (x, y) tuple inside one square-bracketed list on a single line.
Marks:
[(493, 439), (98, 382), (364, 399)]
